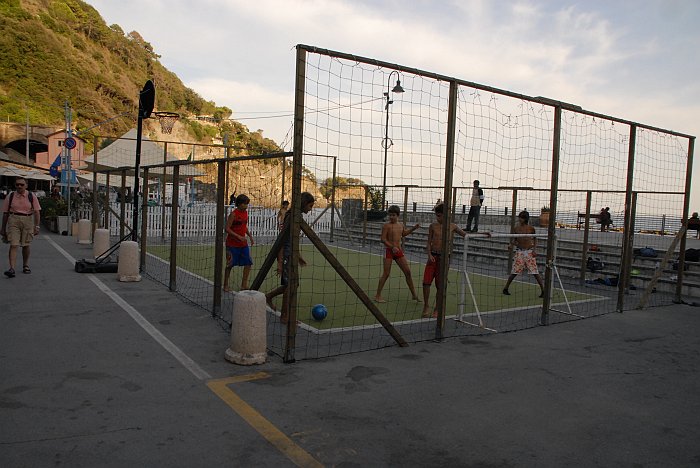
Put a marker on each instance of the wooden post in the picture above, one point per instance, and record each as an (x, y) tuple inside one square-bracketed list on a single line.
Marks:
[(447, 216), (514, 207), (628, 239), (297, 165), (686, 204), (584, 247), (552, 228), (352, 284), (219, 236), (333, 199)]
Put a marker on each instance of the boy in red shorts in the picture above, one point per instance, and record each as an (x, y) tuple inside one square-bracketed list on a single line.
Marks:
[(237, 249), (392, 233), (435, 251)]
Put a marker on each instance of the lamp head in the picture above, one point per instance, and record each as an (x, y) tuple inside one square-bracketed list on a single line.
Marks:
[(398, 88)]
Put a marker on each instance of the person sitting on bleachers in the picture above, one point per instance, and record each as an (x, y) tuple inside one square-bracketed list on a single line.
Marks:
[(605, 219), (694, 224)]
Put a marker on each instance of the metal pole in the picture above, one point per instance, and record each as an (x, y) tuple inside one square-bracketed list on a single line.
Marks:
[(405, 214), (95, 210), (144, 220), (386, 145), (108, 203), (173, 229), (26, 149), (122, 210), (162, 201), (137, 164), (67, 167)]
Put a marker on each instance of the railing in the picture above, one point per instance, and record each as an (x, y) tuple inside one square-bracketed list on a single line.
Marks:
[(199, 220)]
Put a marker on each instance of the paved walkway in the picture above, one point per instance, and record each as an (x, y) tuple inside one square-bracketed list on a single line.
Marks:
[(101, 373)]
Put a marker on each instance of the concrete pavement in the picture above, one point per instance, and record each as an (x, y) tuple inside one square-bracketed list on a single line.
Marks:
[(101, 373)]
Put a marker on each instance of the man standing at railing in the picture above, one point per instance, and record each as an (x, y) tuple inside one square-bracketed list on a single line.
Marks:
[(475, 203)]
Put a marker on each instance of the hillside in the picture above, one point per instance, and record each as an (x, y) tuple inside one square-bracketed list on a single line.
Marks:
[(53, 51)]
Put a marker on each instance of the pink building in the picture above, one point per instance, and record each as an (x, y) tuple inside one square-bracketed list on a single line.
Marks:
[(55, 148)]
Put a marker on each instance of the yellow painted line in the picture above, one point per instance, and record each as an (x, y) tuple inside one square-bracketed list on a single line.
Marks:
[(284, 444)]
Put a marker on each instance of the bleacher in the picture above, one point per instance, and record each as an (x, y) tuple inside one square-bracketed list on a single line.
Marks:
[(569, 255)]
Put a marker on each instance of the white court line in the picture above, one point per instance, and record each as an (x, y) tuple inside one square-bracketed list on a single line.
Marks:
[(168, 345)]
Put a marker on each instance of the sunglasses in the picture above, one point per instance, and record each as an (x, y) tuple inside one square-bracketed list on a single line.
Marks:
[(20, 185)]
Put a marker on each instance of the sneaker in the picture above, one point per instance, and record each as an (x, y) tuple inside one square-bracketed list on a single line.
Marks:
[(10, 273), (505, 291)]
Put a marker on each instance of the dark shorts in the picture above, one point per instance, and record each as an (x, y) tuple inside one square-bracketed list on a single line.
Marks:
[(238, 256), (432, 271)]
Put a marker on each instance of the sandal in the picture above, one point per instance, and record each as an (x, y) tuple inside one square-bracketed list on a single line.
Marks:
[(26, 270), (10, 273)]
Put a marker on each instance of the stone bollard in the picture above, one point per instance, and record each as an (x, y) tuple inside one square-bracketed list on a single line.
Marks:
[(248, 329), (84, 228), (128, 265), (101, 244)]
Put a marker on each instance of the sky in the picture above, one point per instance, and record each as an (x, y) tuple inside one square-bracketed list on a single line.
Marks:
[(635, 60)]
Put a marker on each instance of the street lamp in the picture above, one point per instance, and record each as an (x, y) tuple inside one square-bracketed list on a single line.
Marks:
[(386, 143)]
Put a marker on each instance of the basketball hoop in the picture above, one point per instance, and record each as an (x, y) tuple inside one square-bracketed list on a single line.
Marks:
[(167, 121)]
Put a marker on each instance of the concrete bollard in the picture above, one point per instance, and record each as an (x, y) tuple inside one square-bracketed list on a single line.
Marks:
[(248, 329), (128, 264), (84, 228), (101, 244)]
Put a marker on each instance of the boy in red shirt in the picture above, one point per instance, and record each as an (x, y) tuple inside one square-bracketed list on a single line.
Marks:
[(237, 250)]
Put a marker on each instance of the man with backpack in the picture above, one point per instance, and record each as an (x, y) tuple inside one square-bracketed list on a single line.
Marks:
[(20, 223)]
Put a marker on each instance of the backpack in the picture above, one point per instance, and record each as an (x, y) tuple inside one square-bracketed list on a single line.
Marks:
[(594, 264), (692, 255), (648, 252), (30, 196)]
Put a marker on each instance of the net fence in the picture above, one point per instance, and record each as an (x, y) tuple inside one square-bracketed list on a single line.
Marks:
[(372, 139)]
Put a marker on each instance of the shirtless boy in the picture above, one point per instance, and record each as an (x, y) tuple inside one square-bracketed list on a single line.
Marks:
[(524, 252), (392, 233), (435, 252)]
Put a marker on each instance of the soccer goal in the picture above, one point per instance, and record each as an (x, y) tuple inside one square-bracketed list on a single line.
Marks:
[(466, 288)]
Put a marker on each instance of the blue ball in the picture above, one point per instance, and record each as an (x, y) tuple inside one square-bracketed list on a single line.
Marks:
[(319, 312)]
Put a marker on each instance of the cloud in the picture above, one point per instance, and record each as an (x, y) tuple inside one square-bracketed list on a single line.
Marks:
[(600, 54)]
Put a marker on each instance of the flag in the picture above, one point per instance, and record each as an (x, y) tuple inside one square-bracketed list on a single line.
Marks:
[(53, 169)]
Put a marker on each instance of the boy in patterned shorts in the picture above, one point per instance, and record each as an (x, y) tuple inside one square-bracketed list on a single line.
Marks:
[(525, 256)]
